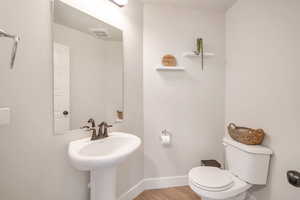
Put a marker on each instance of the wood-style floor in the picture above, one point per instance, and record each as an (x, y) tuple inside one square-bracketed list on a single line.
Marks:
[(175, 193)]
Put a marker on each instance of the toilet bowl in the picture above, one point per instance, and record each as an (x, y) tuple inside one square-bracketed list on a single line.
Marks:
[(212, 183), (247, 165)]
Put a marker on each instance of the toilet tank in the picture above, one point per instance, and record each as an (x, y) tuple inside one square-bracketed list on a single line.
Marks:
[(248, 162)]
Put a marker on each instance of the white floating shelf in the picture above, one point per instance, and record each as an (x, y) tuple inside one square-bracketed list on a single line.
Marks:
[(192, 54), (164, 68)]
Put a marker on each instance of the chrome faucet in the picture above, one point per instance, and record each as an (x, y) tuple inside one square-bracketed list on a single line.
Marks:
[(102, 131)]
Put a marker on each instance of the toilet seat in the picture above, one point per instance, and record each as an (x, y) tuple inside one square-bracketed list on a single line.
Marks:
[(211, 178), (209, 186)]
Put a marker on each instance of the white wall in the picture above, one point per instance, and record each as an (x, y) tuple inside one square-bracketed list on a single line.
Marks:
[(191, 103), (262, 82), (34, 163)]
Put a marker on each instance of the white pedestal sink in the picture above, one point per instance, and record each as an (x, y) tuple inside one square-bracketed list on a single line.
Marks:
[(101, 158)]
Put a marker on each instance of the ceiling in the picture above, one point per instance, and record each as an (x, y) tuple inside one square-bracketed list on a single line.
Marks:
[(206, 4), (73, 18)]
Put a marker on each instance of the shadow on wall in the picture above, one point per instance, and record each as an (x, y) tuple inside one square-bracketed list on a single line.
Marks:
[(171, 157), (149, 163), (174, 160)]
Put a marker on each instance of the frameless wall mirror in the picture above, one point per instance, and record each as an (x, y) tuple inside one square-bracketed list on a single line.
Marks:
[(87, 69)]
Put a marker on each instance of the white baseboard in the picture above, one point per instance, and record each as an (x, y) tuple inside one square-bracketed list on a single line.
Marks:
[(154, 183), (165, 182)]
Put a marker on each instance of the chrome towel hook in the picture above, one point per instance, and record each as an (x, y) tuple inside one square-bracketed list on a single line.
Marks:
[(15, 46)]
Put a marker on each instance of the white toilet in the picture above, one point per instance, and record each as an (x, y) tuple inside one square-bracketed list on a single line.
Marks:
[(247, 165)]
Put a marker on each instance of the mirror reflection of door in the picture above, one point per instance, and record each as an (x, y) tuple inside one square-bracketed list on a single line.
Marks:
[(61, 61)]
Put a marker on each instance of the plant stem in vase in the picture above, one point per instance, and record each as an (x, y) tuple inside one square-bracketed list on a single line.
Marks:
[(200, 50)]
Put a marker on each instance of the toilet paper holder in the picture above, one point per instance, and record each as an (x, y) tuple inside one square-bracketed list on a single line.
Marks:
[(293, 178)]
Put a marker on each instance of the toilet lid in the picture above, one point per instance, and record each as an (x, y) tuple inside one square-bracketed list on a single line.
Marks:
[(211, 178)]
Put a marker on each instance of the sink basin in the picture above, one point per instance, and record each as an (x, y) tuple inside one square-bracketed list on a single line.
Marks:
[(88, 155), (101, 158)]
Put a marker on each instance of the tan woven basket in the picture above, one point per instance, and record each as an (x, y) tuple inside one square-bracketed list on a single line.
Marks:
[(246, 135)]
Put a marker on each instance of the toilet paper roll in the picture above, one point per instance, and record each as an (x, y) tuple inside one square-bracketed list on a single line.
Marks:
[(165, 139)]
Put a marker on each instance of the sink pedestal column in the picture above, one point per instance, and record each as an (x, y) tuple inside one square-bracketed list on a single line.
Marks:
[(103, 184)]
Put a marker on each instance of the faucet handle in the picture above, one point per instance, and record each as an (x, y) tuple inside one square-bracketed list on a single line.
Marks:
[(92, 129), (86, 125), (86, 128), (108, 125), (103, 126), (91, 122)]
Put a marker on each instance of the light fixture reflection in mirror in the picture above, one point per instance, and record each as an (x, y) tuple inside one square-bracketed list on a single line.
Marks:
[(120, 3)]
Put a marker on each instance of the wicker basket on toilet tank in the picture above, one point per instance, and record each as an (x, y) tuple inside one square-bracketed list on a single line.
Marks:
[(246, 135)]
